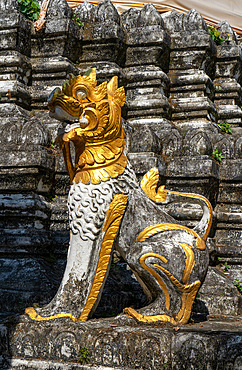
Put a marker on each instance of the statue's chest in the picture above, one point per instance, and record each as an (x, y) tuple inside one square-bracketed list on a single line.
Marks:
[(88, 205)]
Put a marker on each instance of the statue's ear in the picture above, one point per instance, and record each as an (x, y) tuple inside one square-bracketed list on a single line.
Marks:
[(99, 93), (112, 85), (119, 96)]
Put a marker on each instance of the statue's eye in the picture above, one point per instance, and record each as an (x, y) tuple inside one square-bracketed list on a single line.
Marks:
[(81, 94)]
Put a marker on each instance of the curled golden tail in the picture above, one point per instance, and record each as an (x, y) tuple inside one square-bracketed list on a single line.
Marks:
[(149, 185)]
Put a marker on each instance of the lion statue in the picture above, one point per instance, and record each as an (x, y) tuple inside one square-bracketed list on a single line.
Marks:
[(108, 209)]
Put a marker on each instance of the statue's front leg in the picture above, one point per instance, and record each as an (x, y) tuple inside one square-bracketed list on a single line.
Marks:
[(94, 221)]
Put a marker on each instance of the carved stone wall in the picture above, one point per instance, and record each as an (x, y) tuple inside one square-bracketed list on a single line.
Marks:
[(179, 85)]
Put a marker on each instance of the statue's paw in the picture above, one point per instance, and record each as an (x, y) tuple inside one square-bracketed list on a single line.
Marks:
[(141, 317), (36, 315)]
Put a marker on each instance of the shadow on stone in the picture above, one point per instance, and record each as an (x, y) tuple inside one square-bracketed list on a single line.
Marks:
[(121, 290)]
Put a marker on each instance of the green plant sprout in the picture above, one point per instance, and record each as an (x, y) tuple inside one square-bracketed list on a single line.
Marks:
[(77, 20), (30, 8), (217, 155), (226, 266), (51, 258), (238, 285), (225, 126), (52, 144), (84, 356), (52, 196), (166, 364), (215, 34)]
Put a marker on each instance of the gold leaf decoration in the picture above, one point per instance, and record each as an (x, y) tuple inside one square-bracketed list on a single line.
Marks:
[(149, 184), (129, 311), (119, 96), (190, 262), (156, 276), (99, 93), (112, 85), (30, 311), (154, 229), (188, 291)]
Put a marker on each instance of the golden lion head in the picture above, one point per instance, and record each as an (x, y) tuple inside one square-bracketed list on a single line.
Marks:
[(92, 118)]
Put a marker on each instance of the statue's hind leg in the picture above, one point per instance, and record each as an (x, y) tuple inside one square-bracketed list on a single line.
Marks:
[(170, 271)]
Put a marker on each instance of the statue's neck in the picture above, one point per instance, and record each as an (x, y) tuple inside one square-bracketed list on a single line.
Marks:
[(98, 161)]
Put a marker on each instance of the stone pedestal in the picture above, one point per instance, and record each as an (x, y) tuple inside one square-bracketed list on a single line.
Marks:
[(118, 343)]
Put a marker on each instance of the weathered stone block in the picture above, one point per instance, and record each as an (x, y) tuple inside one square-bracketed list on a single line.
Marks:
[(22, 285), (146, 100), (194, 40), (227, 75), (123, 346), (226, 51), (229, 239), (147, 35), (182, 167), (110, 52), (156, 55), (26, 161), (144, 139), (226, 69), (231, 170), (54, 70), (185, 59), (143, 162), (15, 76), (218, 295), (101, 24), (15, 32)]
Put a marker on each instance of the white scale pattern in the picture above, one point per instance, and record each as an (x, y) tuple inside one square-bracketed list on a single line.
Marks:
[(88, 203)]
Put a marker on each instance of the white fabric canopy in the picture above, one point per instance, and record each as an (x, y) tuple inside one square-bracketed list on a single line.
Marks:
[(212, 11)]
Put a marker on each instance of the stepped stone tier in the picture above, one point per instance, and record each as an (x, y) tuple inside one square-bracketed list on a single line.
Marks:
[(179, 86), (118, 343)]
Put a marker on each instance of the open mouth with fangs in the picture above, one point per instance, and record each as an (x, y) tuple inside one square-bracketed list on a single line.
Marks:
[(79, 120)]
